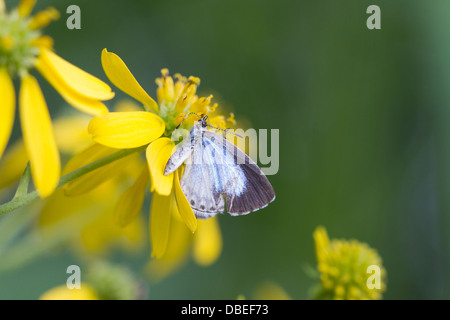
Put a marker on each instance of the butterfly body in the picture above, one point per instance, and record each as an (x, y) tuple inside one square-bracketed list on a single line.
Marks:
[(217, 175)]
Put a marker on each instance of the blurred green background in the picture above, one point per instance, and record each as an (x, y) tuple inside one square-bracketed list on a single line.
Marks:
[(364, 130)]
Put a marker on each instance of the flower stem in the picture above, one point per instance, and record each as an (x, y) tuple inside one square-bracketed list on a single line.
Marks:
[(30, 197)]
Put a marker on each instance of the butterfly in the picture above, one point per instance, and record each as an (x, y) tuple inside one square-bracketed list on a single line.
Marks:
[(217, 173)]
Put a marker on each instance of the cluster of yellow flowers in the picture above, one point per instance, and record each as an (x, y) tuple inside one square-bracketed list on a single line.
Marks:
[(343, 267)]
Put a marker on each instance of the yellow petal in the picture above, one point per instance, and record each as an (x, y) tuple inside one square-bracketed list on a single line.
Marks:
[(13, 164), (184, 208), (25, 7), (160, 212), (43, 18), (321, 242), (77, 79), (62, 292), (7, 107), (119, 74), (207, 242), (130, 202), (38, 137), (96, 177), (158, 153), (188, 95), (200, 105), (72, 97), (43, 41), (125, 130), (176, 252)]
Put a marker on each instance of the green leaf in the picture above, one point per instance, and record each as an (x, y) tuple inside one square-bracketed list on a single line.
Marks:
[(24, 182)]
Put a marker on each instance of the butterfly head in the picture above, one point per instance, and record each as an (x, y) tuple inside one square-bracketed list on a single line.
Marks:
[(203, 119)]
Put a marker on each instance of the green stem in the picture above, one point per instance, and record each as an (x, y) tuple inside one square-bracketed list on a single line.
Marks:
[(30, 197)]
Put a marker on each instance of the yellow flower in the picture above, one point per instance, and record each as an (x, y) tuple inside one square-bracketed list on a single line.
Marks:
[(23, 48), (152, 128), (344, 268), (87, 217), (62, 292)]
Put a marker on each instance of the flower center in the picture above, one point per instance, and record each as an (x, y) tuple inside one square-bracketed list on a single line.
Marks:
[(17, 49)]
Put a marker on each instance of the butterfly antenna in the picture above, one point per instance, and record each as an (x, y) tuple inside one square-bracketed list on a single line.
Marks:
[(199, 116), (225, 131), (185, 117)]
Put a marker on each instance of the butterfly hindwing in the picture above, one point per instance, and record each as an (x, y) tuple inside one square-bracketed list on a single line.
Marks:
[(246, 188)]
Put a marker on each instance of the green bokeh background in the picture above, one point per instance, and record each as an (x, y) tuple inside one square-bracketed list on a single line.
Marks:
[(364, 130)]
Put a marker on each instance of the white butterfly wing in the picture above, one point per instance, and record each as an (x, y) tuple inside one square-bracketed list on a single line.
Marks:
[(200, 183), (179, 156)]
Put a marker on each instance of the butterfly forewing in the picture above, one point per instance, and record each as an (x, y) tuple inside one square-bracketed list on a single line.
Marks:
[(201, 183)]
